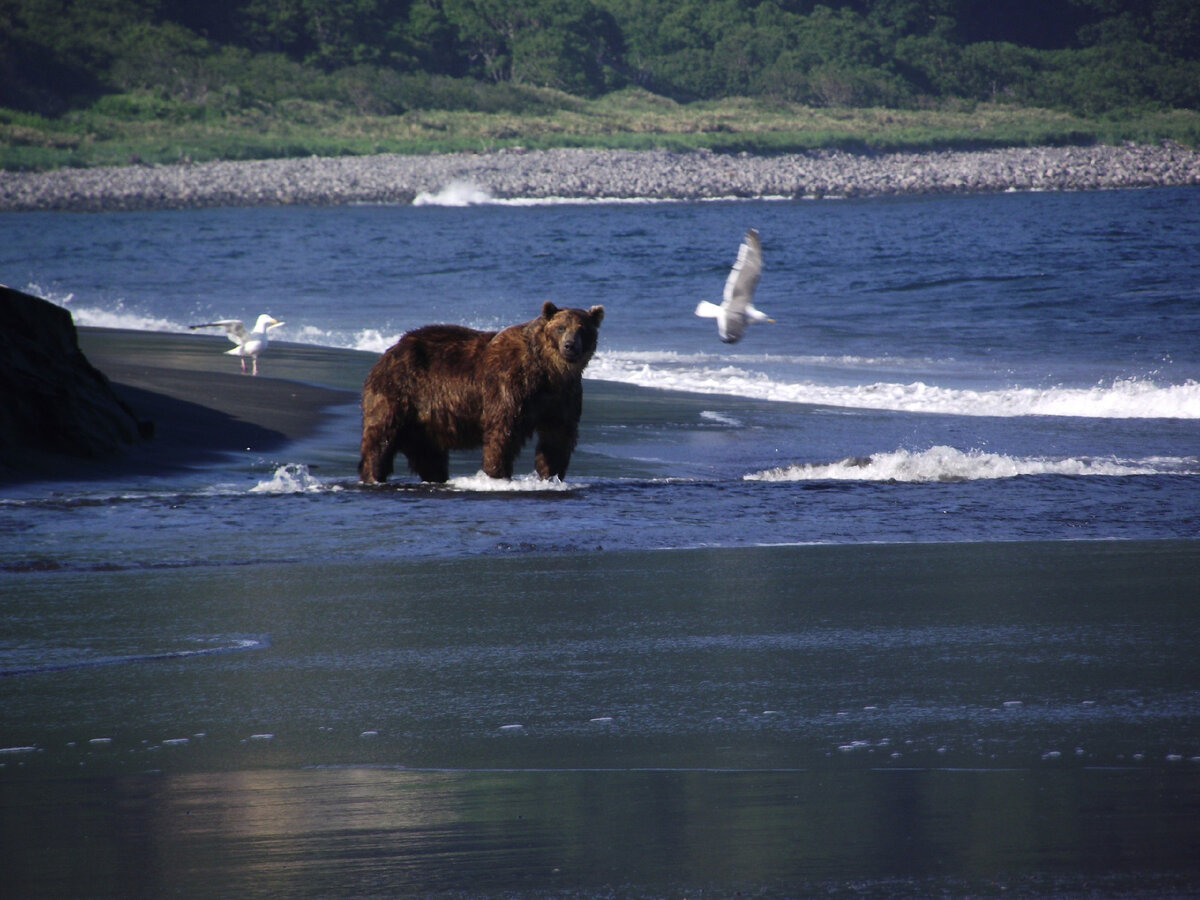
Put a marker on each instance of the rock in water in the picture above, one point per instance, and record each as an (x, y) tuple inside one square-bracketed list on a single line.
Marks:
[(53, 402)]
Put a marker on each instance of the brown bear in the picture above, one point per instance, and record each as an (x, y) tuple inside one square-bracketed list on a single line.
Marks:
[(445, 387)]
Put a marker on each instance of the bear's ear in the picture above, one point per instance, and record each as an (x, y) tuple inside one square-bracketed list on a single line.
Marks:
[(548, 310), (597, 314)]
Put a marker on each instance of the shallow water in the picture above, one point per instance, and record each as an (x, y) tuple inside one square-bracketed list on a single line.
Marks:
[(897, 597), (889, 720)]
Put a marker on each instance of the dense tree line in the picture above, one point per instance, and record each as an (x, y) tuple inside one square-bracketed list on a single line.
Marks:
[(385, 56)]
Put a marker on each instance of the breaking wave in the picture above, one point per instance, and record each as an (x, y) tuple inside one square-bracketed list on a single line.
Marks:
[(703, 373), (118, 316), (1122, 398), (949, 464), (466, 193), (457, 193)]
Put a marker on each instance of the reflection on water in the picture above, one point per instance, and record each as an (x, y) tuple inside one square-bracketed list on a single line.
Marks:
[(342, 832), (907, 720)]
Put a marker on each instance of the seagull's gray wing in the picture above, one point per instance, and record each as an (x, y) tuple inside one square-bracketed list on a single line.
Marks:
[(743, 277), (235, 329)]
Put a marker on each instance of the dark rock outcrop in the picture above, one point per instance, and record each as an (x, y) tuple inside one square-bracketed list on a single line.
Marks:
[(53, 402)]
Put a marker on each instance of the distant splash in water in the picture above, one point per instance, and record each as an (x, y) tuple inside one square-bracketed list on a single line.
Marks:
[(949, 464), (457, 193), (1129, 398)]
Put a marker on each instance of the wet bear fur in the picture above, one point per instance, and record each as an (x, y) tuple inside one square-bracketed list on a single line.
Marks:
[(446, 387)]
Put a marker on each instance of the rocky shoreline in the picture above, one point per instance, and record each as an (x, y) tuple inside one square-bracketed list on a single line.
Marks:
[(597, 174)]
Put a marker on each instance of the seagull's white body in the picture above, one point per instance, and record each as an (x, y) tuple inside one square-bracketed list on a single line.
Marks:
[(737, 309), (249, 343)]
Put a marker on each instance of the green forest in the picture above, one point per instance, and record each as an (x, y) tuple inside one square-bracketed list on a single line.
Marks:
[(185, 78)]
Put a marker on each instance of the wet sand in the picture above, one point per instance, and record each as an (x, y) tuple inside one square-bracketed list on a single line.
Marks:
[(200, 403)]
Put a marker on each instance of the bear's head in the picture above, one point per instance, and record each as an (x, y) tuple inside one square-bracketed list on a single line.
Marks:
[(572, 332)]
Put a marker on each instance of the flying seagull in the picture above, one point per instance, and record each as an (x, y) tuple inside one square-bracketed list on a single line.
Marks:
[(249, 343), (737, 310)]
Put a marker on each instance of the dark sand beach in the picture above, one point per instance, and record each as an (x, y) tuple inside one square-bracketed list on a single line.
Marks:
[(198, 398), (200, 405)]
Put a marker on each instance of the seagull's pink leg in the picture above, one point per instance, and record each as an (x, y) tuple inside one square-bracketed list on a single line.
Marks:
[(255, 372)]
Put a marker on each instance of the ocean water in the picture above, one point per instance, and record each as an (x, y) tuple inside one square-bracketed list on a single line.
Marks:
[(1012, 367), (899, 596)]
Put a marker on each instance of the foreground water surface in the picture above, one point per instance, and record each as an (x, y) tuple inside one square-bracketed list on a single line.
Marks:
[(785, 721)]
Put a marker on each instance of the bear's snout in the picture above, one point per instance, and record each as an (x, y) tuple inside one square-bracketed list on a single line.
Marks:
[(572, 346)]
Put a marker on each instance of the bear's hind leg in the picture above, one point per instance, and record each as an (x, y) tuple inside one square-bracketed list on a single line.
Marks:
[(380, 426)]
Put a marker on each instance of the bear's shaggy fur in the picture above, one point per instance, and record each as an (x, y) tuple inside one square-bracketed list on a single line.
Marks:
[(445, 387)]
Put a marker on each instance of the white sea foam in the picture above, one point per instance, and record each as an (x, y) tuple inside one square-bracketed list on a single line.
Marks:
[(1128, 398), (128, 320), (738, 374), (95, 317), (373, 340), (631, 201), (522, 483), (457, 193), (466, 193), (948, 464), (710, 415), (292, 478)]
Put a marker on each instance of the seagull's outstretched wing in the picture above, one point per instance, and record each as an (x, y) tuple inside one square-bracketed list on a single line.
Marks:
[(235, 329), (743, 277), (737, 309)]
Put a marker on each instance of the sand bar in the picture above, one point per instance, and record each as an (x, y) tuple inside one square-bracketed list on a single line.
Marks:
[(202, 406)]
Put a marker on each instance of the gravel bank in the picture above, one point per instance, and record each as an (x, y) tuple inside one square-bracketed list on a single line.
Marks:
[(574, 173)]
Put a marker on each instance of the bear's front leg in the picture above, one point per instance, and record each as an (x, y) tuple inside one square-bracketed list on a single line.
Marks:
[(499, 453), (553, 452)]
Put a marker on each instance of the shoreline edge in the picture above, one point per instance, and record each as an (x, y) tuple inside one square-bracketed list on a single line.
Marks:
[(583, 174)]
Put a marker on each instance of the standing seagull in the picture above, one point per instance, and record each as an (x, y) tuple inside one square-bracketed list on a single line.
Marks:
[(737, 310), (249, 343)]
